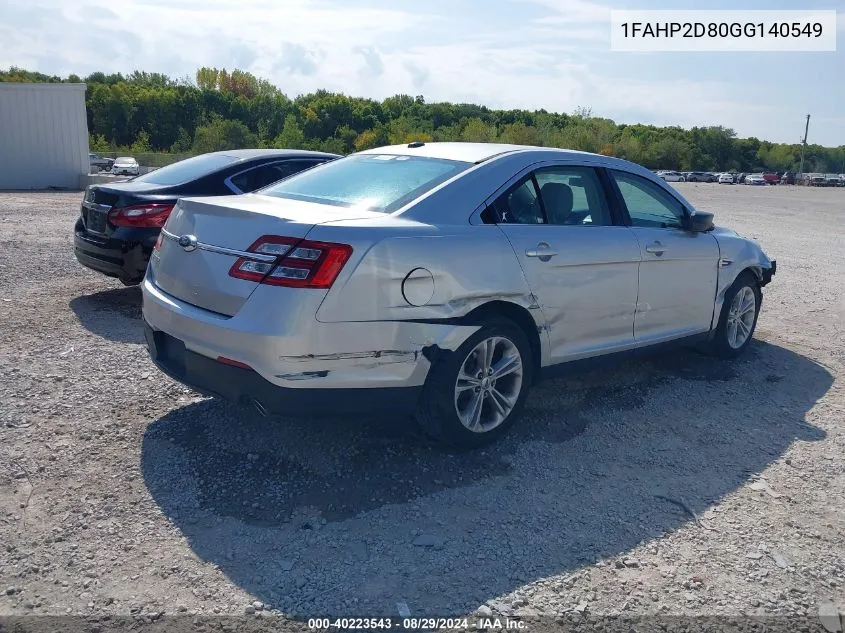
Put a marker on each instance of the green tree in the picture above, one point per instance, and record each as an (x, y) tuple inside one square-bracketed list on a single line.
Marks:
[(221, 108), (407, 130), (222, 134), (98, 143), (520, 134), (207, 78), (347, 137), (477, 131), (370, 138), (183, 142), (669, 153), (141, 143), (291, 136)]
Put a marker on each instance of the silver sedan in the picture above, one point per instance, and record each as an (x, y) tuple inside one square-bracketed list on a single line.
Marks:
[(440, 279)]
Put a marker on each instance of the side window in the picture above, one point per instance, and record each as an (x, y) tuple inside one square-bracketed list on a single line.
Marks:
[(264, 175), (518, 205), (573, 196), (648, 205)]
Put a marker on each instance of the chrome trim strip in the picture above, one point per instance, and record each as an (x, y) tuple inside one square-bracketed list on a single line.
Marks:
[(258, 257)]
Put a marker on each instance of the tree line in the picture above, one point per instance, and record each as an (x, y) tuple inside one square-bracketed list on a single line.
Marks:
[(218, 110)]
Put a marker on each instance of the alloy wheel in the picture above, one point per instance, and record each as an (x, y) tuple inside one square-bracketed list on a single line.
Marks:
[(741, 317), (488, 384)]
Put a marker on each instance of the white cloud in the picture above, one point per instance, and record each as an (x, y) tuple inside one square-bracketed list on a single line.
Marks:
[(557, 59), (573, 11)]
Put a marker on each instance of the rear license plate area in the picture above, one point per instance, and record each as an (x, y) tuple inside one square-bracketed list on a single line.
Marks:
[(95, 221)]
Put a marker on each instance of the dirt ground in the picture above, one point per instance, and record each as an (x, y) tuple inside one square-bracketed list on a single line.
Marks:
[(673, 485)]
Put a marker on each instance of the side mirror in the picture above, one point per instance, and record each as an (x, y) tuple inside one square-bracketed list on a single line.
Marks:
[(700, 222)]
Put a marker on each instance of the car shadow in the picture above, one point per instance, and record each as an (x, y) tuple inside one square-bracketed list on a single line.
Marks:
[(112, 314), (320, 517)]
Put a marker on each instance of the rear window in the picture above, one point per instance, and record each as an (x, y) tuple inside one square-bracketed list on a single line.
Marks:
[(376, 182), (187, 170)]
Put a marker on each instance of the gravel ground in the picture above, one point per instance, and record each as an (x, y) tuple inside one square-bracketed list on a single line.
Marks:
[(671, 485)]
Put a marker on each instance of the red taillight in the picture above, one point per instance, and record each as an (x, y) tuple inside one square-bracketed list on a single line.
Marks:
[(299, 263), (151, 216)]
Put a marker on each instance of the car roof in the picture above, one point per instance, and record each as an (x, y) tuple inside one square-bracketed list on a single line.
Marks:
[(248, 154), (466, 152)]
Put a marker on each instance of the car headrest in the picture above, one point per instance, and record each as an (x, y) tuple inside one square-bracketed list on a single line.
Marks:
[(558, 199)]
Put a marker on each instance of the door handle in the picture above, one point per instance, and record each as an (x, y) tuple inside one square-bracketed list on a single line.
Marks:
[(656, 248), (542, 251)]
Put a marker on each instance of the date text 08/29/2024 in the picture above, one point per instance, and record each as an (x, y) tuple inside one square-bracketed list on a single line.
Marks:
[(418, 624)]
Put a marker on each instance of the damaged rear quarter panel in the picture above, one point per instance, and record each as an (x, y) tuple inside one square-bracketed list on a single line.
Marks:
[(470, 266)]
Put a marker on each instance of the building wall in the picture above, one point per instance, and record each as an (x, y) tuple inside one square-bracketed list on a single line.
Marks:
[(43, 135)]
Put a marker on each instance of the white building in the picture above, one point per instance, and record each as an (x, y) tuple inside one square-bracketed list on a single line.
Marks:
[(43, 135)]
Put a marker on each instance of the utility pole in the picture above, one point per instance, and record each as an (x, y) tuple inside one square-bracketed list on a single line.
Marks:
[(804, 146)]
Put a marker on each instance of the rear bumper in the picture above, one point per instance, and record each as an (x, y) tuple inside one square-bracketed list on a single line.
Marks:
[(278, 336), (245, 386), (125, 259)]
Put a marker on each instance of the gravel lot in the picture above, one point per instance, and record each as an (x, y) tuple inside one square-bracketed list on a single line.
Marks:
[(672, 485)]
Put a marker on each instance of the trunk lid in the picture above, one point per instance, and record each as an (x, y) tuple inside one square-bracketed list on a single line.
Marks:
[(201, 276), (100, 199)]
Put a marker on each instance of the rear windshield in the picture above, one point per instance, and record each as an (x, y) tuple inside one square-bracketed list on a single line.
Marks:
[(187, 170), (376, 182)]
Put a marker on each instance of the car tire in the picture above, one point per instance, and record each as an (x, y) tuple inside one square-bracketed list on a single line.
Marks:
[(733, 322), (129, 282), (450, 405)]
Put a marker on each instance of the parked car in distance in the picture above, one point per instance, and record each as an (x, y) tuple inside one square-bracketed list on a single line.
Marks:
[(816, 180), (726, 179), (120, 222), (672, 176), (771, 178), (755, 179), (700, 176), (99, 163), (833, 180), (126, 166), (788, 178), (439, 278)]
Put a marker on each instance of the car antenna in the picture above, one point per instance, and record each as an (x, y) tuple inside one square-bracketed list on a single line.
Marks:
[(415, 144)]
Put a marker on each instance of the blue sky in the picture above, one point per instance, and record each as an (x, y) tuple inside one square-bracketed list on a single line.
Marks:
[(552, 54)]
